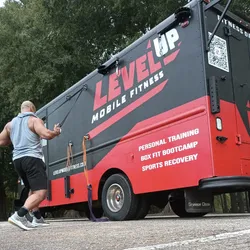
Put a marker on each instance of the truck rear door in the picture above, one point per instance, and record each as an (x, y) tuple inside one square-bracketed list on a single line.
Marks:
[(239, 51)]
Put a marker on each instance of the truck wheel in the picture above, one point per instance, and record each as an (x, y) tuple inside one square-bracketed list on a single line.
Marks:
[(118, 200), (142, 209), (178, 207)]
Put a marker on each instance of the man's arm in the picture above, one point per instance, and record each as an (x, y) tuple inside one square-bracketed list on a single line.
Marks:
[(5, 136), (42, 131)]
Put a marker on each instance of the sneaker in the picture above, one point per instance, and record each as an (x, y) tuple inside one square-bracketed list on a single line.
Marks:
[(20, 222), (29, 216), (39, 222)]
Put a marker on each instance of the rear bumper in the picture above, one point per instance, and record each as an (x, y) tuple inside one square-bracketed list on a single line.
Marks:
[(225, 184)]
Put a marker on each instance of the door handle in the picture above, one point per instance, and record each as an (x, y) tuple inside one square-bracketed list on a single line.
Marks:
[(243, 85), (228, 32)]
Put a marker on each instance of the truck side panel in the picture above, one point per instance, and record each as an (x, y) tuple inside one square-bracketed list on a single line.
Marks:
[(148, 119)]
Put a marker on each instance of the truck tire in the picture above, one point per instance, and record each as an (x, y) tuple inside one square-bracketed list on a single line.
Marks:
[(178, 207), (118, 200), (143, 208)]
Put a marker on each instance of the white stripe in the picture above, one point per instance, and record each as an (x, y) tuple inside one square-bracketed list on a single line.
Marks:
[(197, 240)]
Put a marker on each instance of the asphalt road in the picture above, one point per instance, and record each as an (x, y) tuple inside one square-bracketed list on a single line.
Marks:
[(211, 232)]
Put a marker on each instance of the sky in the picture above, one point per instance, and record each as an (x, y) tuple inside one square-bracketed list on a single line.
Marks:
[(1, 2)]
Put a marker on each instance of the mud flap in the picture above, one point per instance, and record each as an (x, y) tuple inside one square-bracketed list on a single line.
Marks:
[(198, 201)]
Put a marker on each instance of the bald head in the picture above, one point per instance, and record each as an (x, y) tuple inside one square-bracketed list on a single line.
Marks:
[(28, 106)]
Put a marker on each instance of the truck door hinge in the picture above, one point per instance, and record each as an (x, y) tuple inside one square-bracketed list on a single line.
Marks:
[(214, 95), (238, 139)]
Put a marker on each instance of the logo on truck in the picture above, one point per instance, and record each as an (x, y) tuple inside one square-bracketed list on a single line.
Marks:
[(137, 81), (166, 42)]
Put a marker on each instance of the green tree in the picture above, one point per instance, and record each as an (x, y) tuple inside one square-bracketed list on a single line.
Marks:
[(48, 45)]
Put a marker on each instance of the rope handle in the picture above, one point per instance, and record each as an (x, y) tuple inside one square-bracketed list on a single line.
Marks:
[(85, 138), (69, 155), (70, 158)]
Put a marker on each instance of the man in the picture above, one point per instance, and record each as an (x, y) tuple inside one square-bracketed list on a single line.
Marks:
[(25, 132)]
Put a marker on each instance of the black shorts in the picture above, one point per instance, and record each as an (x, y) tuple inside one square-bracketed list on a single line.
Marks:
[(32, 171)]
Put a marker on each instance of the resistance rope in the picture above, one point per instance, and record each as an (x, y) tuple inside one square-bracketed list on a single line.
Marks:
[(89, 186)]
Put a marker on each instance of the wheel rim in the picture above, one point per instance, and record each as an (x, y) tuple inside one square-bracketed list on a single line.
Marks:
[(115, 197)]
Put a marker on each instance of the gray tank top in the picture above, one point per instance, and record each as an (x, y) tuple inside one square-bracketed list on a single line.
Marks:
[(25, 142)]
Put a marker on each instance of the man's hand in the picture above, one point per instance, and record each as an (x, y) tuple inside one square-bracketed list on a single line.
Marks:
[(57, 129)]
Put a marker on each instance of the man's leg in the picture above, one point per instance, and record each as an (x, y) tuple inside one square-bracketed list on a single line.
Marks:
[(32, 203), (34, 171), (35, 199), (35, 212), (38, 182), (18, 218), (36, 208)]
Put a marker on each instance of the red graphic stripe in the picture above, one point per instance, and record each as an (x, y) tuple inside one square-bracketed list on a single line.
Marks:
[(248, 104), (248, 114), (166, 122), (149, 44), (127, 110), (171, 57)]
